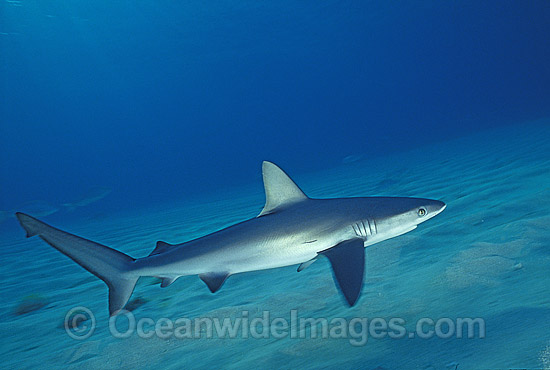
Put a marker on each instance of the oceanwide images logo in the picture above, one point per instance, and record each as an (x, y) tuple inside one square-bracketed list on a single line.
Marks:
[(80, 324)]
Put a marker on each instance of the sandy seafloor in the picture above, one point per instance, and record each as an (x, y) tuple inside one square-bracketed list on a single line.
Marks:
[(487, 255)]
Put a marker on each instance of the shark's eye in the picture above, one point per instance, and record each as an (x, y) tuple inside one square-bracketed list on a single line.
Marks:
[(421, 212)]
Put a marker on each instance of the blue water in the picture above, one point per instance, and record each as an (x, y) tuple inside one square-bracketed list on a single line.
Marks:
[(132, 122)]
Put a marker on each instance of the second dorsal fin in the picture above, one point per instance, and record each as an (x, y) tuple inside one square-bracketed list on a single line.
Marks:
[(280, 190), (161, 248)]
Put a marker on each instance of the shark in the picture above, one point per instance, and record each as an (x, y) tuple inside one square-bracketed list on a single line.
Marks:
[(291, 229), (93, 195)]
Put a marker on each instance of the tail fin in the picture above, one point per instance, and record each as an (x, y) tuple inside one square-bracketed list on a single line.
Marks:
[(106, 263)]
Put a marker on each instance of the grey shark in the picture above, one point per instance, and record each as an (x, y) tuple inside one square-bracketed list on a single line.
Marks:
[(292, 229), (93, 195)]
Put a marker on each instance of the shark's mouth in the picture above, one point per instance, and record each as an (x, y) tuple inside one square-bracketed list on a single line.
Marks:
[(402, 231), (381, 237)]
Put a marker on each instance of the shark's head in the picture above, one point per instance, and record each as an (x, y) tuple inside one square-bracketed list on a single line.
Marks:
[(396, 216)]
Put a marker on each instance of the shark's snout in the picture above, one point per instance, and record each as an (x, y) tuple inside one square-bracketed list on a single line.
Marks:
[(435, 207), (257, 244)]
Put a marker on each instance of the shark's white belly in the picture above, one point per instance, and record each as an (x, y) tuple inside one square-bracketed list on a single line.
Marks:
[(234, 259)]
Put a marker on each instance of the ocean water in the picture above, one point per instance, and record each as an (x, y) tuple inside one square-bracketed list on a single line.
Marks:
[(132, 122), (486, 256)]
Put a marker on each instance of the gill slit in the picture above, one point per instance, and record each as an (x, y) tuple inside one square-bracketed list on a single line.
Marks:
[(370, 227), (355, 230), (364, 228)]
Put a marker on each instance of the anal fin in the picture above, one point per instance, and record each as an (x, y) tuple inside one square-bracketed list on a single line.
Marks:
[(167, 281), (214, 280)]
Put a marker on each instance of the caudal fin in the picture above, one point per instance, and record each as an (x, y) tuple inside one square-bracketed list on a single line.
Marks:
[(108, 264)]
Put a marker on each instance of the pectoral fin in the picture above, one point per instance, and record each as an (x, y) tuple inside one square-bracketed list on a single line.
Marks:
[(348, 267)]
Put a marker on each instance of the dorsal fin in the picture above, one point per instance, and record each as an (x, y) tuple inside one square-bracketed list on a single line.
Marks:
[(161, 248), (280, 190)]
